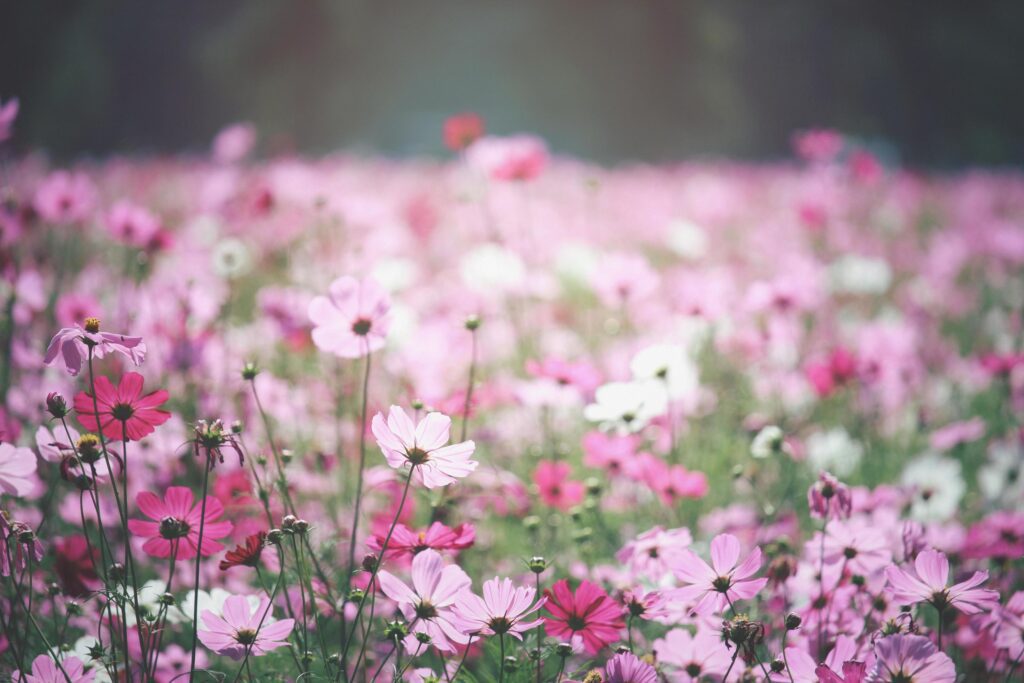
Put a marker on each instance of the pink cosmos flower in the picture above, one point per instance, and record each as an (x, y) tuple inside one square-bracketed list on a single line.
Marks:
[(1011, 626), (176, 520), (516, 157), (626, 667), (677, 482), (818, 145), (555, 487), (243, 629), (956, 433), (926, 582), (853, 672), (132, 224), (428, 605), (581, 375), (72, 345), (829, 497), (17, 465), (8, 112), (649, 553), (696, 657), (609, 451), (588, 613), (462, 130), (423, 446), (804, 669), (45, 670), (502, 609), (65, 197), (902, 658), (713, 588), (123, 412), (405, 541), (353, 319), (234, 143)]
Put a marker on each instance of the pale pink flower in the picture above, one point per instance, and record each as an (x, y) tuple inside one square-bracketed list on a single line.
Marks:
[(626, 667), (502, 609), (65, 197), (804, 669), (926, 582), (72, 344), (902, 658), (132, 224), (693, 657), (234, 143), (17, 470), (712, 588), (353, 319), (956, 433), (650, 553), (240, 628), (428, 605), (423, 446), (46, 670)]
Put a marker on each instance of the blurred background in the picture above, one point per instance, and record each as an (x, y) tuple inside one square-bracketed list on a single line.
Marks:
[(937, 84)]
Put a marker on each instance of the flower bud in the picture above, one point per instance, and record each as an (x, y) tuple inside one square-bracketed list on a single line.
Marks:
[(472, 322), (395, 630), (593, 485), (88, 448), (288, 522), (275, 536), (531, 522), (417, 404), (249, 371), (778, 666), (537, 564), (423, 637), (167, 600), (73, 608), (56, 405), (301, 526), (356, 595), (793, 621), (116, 571), (53, 589), (286, 455), (369, 562), (236, 427), (563, 649)]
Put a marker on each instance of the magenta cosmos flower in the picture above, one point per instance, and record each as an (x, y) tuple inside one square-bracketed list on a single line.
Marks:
[(242, 629), (903, 658), (554, 486), (589, 613), (926, 582), (713, 588), (428, 605), (353, 319), (123, 411), (65, 197), (45, 670), (502, 609), (626, 667), (17, 465), (72, 344), (177, 520), (406, 541), (423, 446)]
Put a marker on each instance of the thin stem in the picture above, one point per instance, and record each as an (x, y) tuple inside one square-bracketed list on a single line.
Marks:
[(362, 465), (469, 387), (199, 559), (463, 660), (731, 664), (501, 661), (540, 631)]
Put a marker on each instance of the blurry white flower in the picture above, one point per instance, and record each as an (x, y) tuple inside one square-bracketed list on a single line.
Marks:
[(627, 406), (769, 441), (936, 485), (834, 451), (576, 263), (854, 274), (395, 274), (492, 267), (687, 239), (231, 258), (1000, 477), (669, 364)]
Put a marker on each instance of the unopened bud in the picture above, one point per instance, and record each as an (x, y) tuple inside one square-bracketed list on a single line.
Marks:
[(275, 536), (369, 562), (472, 322), (793, 621), (249, 371), (288, 522), (56, 405), (537, 564)]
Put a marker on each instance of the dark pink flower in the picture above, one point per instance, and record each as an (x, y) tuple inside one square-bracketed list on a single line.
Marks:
[(588, 613), (828, 497), (65, 197), (123, 412), (176, 520), (555, 487), (405, 541), (462, 130)]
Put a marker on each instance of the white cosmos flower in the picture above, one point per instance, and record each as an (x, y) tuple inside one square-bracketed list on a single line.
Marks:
[(687, 239), (627, 407), (834, 451), (231, 258), (768, 442), (492, 267), (1000, 478), (936, 485), (669, 364)]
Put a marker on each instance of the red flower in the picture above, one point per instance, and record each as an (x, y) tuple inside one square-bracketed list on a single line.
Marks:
[(461, 130), (437, 537), (246, 555), (589, 613), (123, 411), (178, 521)]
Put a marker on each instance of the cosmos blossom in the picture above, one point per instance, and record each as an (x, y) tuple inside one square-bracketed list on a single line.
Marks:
[(405, 541), (17, 470), (428, 604), (589, 613), (713, 587), (46, 670), (901, 658), (177, 520), (240, 628), (123, 410), (247, 554), (626, 667), (926, 582), (71, 345), (353, 319), (423, 446), (555, 487), (502, 609)]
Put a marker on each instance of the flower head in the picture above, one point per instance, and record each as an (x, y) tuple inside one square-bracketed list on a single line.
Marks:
[(626, 667), (241, 629), (589, 613), (46, 670), (555, 487), (123, 412), (245, 555), (72, 344), (176, 522), (17, 467), (405, 541), (423, 446), (65, 197), (353, 319), (926, 582), (428, 605), (914, 659), (694, 656), (725, 581), (502, 609), (462, 130), (828, 497)]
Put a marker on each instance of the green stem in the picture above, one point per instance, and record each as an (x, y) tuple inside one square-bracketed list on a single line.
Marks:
[(199, 559)]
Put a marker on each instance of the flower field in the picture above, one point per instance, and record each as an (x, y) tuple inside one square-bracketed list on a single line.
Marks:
[(510, 417)]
